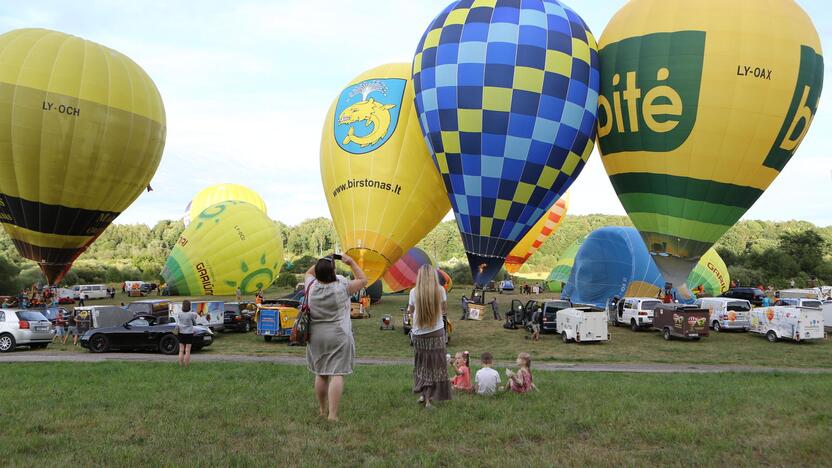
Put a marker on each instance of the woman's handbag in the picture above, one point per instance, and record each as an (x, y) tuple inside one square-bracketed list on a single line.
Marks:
[(300, 330)]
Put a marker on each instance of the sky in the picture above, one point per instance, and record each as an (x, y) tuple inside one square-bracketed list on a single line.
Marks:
[(247, 84)]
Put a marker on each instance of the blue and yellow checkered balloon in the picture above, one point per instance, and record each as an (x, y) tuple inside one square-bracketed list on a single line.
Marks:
[(507, 95)]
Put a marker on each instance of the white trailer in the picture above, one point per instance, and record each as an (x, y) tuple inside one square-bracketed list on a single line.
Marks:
[(788, 323), (582, 324)]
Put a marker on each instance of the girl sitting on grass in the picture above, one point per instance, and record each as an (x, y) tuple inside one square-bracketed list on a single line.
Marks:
[(462, 381), (521, 381)]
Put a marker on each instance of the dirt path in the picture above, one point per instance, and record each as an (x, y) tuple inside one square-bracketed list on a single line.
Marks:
[(556, 367)]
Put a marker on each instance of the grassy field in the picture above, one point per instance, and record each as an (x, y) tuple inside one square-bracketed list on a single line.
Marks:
[(120, 414), (488, 335)]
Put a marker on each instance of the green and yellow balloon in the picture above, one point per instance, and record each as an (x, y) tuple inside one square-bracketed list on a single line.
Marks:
[(229, 245), (702, 105), (82, 129)]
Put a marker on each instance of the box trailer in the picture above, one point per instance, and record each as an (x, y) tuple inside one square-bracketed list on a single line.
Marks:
[(105, 316), (788, 323), (210, 314), (681, 321), (582, 324)]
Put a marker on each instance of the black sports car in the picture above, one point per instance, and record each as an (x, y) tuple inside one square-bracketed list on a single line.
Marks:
[(144, 332)]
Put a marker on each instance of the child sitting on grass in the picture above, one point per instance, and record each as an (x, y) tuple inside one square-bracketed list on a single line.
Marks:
[(487, 379), (462, 381), (521, 381)]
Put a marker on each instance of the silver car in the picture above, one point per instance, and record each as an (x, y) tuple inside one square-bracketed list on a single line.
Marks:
[(23, 327)]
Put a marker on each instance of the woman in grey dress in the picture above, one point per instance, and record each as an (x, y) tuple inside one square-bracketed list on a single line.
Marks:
[(330, 353)]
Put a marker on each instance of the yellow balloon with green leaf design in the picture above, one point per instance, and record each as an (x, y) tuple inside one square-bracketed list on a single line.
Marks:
[(227, 246)]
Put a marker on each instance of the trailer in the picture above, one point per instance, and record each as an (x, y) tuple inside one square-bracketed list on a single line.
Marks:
[(582, 324), (788, 323), (210, 314), (681, 321), (105, 316), (275, 321)]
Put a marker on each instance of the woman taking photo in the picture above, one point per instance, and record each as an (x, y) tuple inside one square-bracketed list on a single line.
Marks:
[(427, 304), (330, 353)]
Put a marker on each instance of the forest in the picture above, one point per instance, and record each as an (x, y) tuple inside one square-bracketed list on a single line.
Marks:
[(756, 252)]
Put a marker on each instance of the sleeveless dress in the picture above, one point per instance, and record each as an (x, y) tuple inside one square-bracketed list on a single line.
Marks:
[(331, 348)]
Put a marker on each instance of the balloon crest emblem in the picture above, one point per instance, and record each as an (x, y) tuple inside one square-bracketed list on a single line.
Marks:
[(367, 114)]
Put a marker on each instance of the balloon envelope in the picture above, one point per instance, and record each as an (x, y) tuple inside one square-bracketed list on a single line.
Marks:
[(402, 274), (229, 245), (82, 129), (613, 261), (383, 190), (563, 268), (445, 280), (537, 235), (702, 105), (506, 94), (220, 193)]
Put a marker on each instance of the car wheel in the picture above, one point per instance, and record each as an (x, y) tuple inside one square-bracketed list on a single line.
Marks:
[(633, 325), (99, 343), (7, 343), (666, 334), (169, 344), (717, 327), (772, 337), (564, 337), (267, 338)]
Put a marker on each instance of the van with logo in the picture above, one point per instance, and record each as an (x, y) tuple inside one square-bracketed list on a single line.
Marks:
[(210, 314), (91, 291), (726, 313), (787, 323)]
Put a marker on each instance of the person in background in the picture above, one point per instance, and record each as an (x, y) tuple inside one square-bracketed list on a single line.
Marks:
[(73, 327), (487, 379), (462, 381), (537, 316), (427, 304), (186, 321), (258, 298), (60, 322), (330, 353), (521, 381), (239, 293)]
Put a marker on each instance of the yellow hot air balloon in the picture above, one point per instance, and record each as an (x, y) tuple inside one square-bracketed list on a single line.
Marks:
[(537, 235), (82, 129), (702, 105), (383, 190), (220, 193), (229, 245)]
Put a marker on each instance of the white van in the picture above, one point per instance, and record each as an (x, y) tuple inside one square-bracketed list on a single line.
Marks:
[(789, 323), (582, 324), (91, 291), (637, 312), (827, 315), (727, 313), (210, 313), (814, 293)]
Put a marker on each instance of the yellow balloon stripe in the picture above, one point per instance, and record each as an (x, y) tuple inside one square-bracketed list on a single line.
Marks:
[(41, 239)]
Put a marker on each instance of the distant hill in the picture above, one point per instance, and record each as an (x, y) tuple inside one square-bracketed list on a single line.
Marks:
[(130, 251)]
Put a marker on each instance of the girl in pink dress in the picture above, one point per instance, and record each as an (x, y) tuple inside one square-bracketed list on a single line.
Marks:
[(521, 381), (462, 381)]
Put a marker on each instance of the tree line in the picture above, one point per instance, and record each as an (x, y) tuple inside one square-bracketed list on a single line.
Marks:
[(755, 251)]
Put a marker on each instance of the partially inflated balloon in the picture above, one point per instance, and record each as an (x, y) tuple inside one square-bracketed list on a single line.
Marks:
[(82, 129), (563, 268), (537, 235), (382, 188), (220, 193), (702, 105), (402, 274), (711, 273), (445, 280), (506, 94), (229, 245)]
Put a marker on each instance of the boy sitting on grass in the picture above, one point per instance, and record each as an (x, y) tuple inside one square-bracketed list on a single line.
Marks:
[(487, 379)]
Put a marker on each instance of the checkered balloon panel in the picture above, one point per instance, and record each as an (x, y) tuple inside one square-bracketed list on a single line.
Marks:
[(506, 93)]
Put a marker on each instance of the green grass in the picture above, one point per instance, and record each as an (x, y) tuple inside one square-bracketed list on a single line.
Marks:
[(728, 348), (219, 414)]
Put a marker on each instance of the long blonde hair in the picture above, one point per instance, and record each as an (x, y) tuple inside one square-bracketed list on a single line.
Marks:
[(428, 297)]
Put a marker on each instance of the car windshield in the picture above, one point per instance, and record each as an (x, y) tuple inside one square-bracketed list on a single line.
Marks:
[(739, 306), (649, 305), (30, 316)]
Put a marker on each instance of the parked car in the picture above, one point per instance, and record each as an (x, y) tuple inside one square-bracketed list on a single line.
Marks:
[(523, 312), (549, 322), (787, 323), (23, 327), (681, 321), (799, 302), (506, 285), (155, 307), (727, 313), (752, 295), (145, 333), (239, 316), (91, 291), (635, 312), (582, 324), (812, 293)]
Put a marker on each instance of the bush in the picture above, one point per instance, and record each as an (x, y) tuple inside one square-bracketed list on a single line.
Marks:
[(460, 274), (286, 279)]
